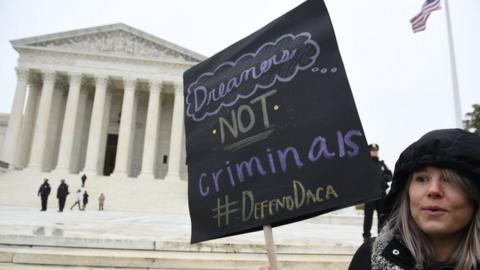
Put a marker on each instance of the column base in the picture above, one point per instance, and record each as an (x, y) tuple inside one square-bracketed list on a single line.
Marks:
[(172, 177), (146, 175), (33, 168), (10, 167), (61, 171), (88, 172), (119, 175)]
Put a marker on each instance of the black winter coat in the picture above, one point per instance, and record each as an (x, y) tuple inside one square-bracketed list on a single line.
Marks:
[(385, 172), (62, 190), (44, 189), (85, 198), (446, 148), (389, 255)]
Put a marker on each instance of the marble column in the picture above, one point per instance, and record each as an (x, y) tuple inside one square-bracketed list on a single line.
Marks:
[(127, 131), (28, 123), (15, 121), (69, 123), (96, 124), (151, 131), (175, 152), (41, 125), (104, 134)]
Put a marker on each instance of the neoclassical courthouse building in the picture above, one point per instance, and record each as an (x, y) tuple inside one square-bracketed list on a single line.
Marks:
[(105, 101)]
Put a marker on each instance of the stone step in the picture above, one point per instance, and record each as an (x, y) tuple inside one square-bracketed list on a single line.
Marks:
[(19, 188), (30, 239), (32, 258), (325, 247)]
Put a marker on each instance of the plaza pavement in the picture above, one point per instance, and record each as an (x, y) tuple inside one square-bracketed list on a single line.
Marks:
[(91, 239)]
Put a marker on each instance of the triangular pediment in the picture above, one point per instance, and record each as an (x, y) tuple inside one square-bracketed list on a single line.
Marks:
[(115, 39)]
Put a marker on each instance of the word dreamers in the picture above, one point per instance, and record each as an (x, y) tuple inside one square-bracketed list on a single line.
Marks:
[(231, 81), (278, 161)]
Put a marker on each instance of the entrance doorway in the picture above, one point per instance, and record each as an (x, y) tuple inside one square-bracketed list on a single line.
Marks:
[(110, 154)]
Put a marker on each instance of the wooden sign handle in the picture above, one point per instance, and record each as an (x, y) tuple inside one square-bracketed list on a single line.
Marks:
[(272, 256)]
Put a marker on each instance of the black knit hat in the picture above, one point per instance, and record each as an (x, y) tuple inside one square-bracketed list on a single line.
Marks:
[(373, 147), (454, 149)]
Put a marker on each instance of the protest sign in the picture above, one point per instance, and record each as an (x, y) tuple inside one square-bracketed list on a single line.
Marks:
[(272, 132)]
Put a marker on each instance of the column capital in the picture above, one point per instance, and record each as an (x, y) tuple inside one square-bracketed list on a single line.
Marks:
[(153, 82), (22, 73), (155, 85), (178, 87), (48, 75), (75, 76), (36, 80), (129, 83), (101, 78)]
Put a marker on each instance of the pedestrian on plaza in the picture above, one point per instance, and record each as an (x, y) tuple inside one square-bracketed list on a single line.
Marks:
[(43, 192), (84, 178), (370, 207), (85, 200), (62, 193), (101, 201), (78, 197), (432, 207)]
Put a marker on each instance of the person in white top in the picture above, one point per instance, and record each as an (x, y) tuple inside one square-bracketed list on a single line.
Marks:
[(78, 196)]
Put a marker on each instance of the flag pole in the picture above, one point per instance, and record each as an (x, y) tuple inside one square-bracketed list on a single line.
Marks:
[(453, 64)]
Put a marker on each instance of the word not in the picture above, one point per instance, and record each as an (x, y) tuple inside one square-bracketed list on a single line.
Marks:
[(238, 122), (234, 80), (279, 161), (300, 196)]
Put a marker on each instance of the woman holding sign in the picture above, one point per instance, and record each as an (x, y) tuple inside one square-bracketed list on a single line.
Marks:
[(433, 207)]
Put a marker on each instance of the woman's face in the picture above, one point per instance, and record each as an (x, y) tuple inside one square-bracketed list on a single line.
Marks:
[(438, 207)]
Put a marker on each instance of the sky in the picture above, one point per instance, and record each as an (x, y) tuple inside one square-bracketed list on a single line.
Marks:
[(401, 81)]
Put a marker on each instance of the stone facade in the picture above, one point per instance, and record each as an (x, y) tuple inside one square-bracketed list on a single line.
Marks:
[(3, 130), (106, 100)]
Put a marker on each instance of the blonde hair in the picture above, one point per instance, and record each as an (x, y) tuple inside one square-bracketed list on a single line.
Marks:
[(467, 254)]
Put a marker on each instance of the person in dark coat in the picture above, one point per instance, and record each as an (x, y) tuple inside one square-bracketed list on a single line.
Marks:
[(85, 199), (376, 205), (432, 207), (43, 192), (62, 193), (84, 178)]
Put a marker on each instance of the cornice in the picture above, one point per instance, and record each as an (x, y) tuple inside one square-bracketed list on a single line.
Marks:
[(103, 29), (105, 57)]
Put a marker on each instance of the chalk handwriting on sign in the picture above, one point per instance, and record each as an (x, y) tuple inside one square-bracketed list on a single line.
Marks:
[(249, 208), (277, 161), (278, 61), (273, 135)]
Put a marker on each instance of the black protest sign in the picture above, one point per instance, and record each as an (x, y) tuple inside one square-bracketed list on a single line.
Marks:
[(273, 134)]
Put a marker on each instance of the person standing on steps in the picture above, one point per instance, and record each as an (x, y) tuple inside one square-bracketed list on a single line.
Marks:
[(43, 192), (62, 193), (370, 207), (101, 201), (84, 178), (85, 200)]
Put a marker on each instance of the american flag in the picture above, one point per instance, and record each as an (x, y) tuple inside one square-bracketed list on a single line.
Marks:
[(419, 22)]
